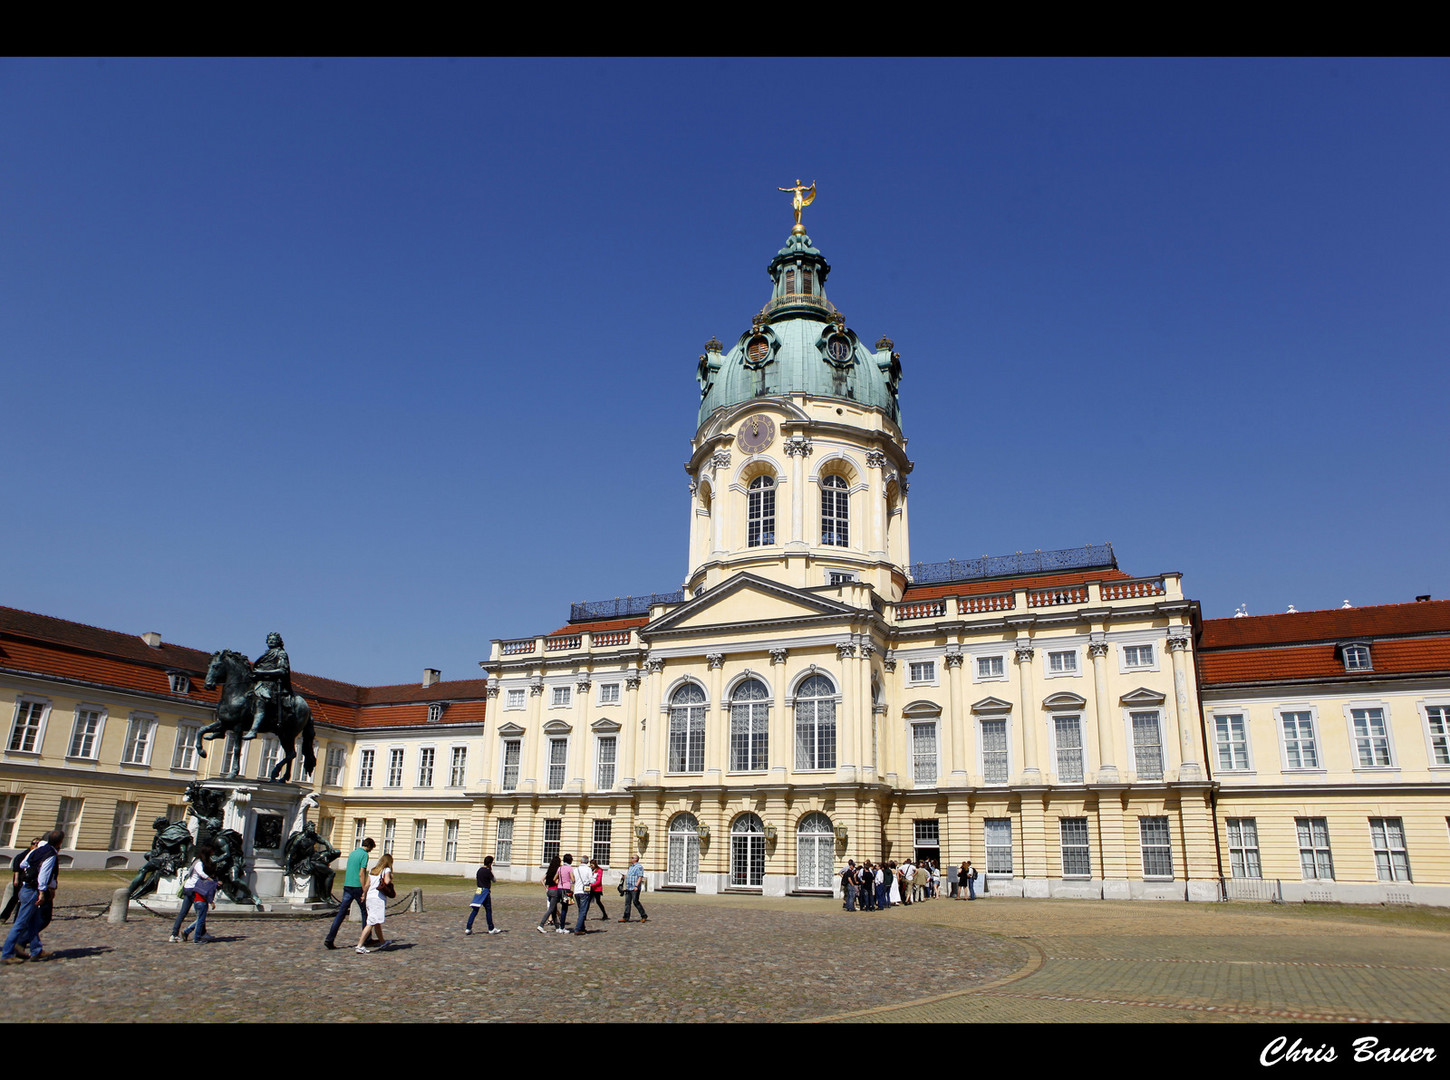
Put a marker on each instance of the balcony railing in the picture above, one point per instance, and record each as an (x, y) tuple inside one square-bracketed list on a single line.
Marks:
[(922, 609), (1128, 590), (1092, 556), (1067, 594), (563, 641), (974, 605), (517, 647), (610, 637), (622, 607)]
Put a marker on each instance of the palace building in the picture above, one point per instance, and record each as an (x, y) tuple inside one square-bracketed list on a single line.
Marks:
[(810, 694)]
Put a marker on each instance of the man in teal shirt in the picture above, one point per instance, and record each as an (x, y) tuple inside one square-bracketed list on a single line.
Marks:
[(354, 887)]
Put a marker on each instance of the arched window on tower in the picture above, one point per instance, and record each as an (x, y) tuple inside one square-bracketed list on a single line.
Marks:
[(815, 724), (789, 281), (687, 729), (835, 511), (760, 516)]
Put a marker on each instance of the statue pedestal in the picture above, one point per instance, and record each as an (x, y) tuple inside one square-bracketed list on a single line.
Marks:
[(265, 814)]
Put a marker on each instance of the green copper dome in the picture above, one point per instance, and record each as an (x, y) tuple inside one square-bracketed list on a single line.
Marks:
[(799, 343)]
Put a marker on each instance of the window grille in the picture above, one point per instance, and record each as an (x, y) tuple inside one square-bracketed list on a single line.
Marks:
[(420, 837), (1147, 745), (923, 753), (604, 773), (1157, 847), (558, 760), (183, 756), (1076, 848), (835, 511), (747, 851), (457, 767), (989, 667), (997, 842), (1243, 847), (332, 771), (450, 840), (1233, 741), (425, 767), (994, 751), (83, 737), (390, 834), (9, 818), (553, 832), (1371, 739), (1069, 749), (138, 740), (503, 841), (1438, 718), (603, 831), (749, 727), (815, 724), (687, 729), (1315, 861), (1392, 859), (1300, 751), (25, 733), (395, 768), (760, 512), (512, 749), (365, 769)]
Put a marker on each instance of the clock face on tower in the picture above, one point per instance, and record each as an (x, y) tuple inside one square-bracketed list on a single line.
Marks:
[(756, 434)]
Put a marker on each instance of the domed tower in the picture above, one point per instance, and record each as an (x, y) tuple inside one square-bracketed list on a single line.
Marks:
[(799, 464)]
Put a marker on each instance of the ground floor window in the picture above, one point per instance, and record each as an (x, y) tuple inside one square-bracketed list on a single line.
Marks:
[(450, 841), (503, 841), (603, 832), (68, 820), (9, 818), (1076, 849), (682, 864), (1243, 847), (1157, 845), (815, 852), (926, 833), (121, 826), (553, 833), (390, 834), (997, 843), (747, 851), (420, 837), (359, 831), (1314, 858), (1391, 858)]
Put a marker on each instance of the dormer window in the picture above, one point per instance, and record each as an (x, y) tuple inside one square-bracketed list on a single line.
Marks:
[(180, 684), (1356, 657), (435, 712)]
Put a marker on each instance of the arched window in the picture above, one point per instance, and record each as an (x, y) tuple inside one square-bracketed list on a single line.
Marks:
[(835, 511), (687, 729), (683, 859), (789, 281), (815, 853), (760, 517), (747, 851), (749, 715), (815, 724)]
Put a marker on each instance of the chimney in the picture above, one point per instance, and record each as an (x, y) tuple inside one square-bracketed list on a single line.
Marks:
[(1422, 599), (431, 676), (153, 639)]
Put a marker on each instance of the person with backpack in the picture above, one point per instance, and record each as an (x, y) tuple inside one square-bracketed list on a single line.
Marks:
[(39, 878), (198, 886), (969, 876)]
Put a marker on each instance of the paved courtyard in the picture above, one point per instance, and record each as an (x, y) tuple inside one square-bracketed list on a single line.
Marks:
[(750, 959)]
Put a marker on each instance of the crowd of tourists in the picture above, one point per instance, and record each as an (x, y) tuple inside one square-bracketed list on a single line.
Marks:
[(878, 886)]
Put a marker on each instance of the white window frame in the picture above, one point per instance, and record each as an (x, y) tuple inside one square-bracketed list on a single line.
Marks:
[(427, 765), (991, 676), (123, 827), (1242, 840), (450, 840), (550, 765), (601, 782), (681, 743), (1006, 722), (1298, 710), (1435, 721), (517, 745), (1080, 829), (816, 757), (1387, 868), (334, 766), (134, 724), (1125, 665), (602, 841), (1367, 706), (515, 699), (994, 855), (458, 765), (270, 756), (1353, 653), (1061, 656), (1220, 744), (503, 841), (561, 697), (100, 712), (835, 492), (12, 805), (841, 577), (611, 693), (554, 845), (760, 528), (919, 758), (753, 748), (184, 755), (1132, 742), (397, 757), (28, 703), (1321, 855), (921, 673), (367, 758), (71, 826), (1144, 847), (180, 682), (390, 834), (359, 831), (1080, 748), (420, 839)]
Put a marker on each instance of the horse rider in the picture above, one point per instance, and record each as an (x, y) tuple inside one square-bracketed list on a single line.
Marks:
[(271, 681)]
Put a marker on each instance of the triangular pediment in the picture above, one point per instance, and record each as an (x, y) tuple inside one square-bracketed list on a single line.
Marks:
[(604, 726), (1143, 696), (747, 599), (991, 705), (510, 729)]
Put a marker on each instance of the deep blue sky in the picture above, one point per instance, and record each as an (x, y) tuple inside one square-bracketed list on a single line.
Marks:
[(410, 345)]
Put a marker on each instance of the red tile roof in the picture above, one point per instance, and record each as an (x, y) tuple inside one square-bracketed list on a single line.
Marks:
[(1402, 656), (1008, 584), (599, 627), (58, 648), (1334, 624)]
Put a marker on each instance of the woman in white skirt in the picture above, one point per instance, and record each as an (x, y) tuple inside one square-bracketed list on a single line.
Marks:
[(376, 902)]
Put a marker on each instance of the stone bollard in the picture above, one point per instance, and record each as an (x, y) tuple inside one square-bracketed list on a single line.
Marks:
[(416, 905), (120, 905)]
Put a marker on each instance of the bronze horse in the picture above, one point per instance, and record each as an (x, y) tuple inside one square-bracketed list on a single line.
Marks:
[(234, 712)]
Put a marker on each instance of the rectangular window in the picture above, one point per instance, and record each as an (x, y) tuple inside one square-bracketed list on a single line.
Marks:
[(1232, 741), (609, 693), (923, 671), (1147, 745), (359, 831), (839, 577), (512, 748), (1062, 663), (390, 834), (1371, 739), (603, 830), (271, 754), (604, 766), (365, 769), (85, 736), (121, 823), (561, 695), (68, 820), (515, 700), (425, 767), (1069, 748), (1356, 658), (457, 769), (9, 818), (450, 841), (997, 842), (1137, 656), (1438, 719), (332, 772), (1391, 857), (994, 752), (558, 761), (420, 837), (553, 832), (1076, 852), (1300, 751), (325, 827), (395, 768), (923, 753), (1243, 847), (25, 732), (139, 733), (183, 754), (989, 667), (1157, 847), (1314, 859), (503, 841), (927, 834)]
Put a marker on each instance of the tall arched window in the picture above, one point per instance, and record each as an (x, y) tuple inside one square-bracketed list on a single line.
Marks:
[(747, 851), (687, 729), (815, 724), (835, 511), (683, 859), (815, 853), (760, 517), (749, 716)]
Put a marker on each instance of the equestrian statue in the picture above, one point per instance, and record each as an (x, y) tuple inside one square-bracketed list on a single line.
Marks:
[(258, 698)]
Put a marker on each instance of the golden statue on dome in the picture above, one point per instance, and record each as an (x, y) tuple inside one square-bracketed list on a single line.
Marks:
[(801, 197)]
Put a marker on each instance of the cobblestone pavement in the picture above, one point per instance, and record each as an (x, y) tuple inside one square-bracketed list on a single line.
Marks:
[(753, 959)]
